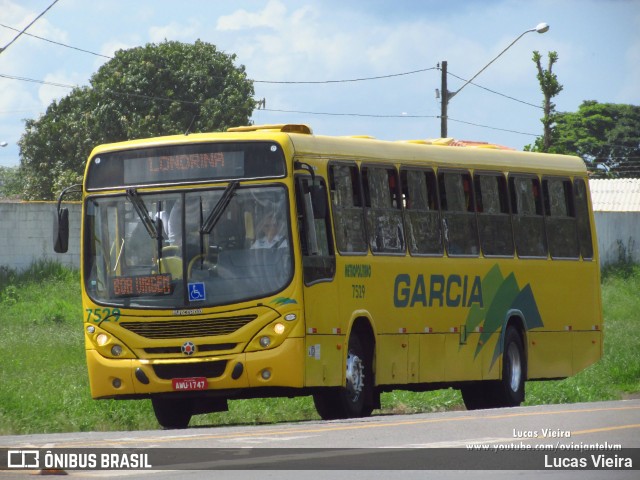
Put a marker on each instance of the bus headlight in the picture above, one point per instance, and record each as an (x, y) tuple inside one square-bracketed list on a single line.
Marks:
[(116, 350), (271, 335), (102, 339)]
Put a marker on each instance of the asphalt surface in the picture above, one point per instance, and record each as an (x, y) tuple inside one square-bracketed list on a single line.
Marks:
[(547, 441)]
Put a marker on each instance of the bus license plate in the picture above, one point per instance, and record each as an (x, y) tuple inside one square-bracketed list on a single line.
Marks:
[(195, 383)]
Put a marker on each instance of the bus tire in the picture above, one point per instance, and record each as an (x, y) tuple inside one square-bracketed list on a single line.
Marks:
[(355, 399), (172, 413), (514, 371), (510, 389)]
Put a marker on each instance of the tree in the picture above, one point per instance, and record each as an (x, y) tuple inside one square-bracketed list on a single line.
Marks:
[(550, 88), (158, 89), (605, 135), (10, 186)]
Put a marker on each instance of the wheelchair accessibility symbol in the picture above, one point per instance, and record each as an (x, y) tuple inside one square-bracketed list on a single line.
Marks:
[(196, 292)]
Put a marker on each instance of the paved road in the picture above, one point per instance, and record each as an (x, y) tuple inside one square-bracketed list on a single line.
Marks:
[(553, 427)]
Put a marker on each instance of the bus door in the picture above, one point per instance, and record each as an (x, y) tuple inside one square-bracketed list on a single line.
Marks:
[(323, 358)]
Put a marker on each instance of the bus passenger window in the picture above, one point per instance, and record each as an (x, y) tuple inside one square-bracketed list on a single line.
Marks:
[(314, 224), (421, 213), (582, 216), (562, 233), (383, 210), (528, 218), (494, 221), (347, 208), (460, 227)]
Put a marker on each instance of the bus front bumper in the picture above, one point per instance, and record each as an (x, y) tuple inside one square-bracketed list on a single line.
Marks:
[(282, 366)]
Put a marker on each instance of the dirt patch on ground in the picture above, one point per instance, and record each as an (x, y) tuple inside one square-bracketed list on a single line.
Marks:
[(631, 396)]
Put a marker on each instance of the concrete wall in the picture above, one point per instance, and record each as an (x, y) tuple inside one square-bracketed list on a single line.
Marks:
[(26, 234), (618, 236)]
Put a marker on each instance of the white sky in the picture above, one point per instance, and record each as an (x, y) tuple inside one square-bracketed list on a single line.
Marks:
[(598, 43)]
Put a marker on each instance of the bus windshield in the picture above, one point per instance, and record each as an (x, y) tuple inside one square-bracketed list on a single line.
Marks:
[(187, 249)]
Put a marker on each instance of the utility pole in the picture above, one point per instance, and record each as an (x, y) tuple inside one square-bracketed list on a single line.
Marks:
[(444, 95)]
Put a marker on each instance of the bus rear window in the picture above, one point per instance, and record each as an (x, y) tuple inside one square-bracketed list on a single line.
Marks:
[(185, 163)]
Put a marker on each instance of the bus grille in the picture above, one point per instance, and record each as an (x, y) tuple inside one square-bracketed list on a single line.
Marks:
[(187, 370), (205, 327), (201, 348)]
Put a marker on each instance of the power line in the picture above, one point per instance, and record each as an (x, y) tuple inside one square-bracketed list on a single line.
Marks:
[(151, 97), (304, 112), (315, 82), (11, 112), (115, 92), (62, 85), (494, 128), (371, 115), (56, 43), (12, 77), (280, 82), (27, 27), (497, 93), (33, 80), (301, 82)]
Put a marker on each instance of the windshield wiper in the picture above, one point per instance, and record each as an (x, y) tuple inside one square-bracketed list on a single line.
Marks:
[(143, 213), (219, 209)]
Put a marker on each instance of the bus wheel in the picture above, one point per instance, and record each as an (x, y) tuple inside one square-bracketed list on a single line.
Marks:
[(172, 413), (507, 392), (355, 398), (514, 369)]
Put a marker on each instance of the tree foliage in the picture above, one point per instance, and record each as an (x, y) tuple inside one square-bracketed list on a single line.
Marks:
[(550, 88), (605, 135), (158, 89), (10, 185)]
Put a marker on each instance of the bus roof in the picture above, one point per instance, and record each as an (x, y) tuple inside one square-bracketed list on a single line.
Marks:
[(431, 152), (435, 152)]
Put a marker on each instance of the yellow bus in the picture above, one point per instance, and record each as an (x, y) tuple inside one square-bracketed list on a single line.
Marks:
[(269, 261)]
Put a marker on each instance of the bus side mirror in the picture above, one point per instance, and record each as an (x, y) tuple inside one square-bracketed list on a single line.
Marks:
[(61, 221), (319, 202), (61, 231)]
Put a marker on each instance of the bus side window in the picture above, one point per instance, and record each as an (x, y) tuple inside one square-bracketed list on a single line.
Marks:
[(383, 210), (460, 226), (348, 218), (562, 233), (421, 212), (528, 217), (582, 216), (494, 220), (318, 259)]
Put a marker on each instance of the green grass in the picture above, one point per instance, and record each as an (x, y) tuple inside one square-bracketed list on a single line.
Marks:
[(42, 368), (44, 384)]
